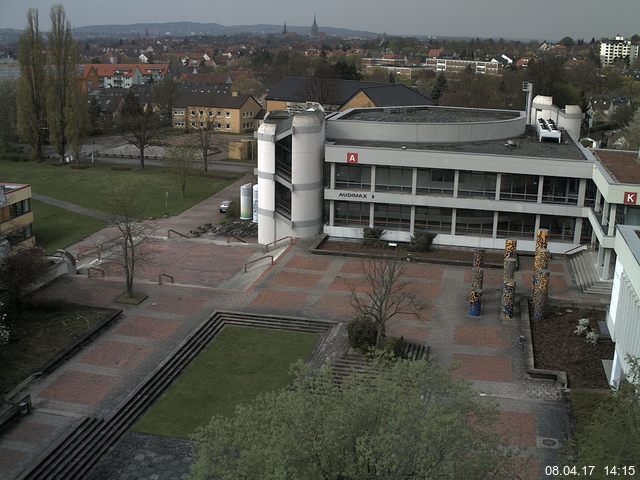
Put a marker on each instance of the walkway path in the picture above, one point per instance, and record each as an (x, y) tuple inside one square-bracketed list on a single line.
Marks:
[(72, 207)]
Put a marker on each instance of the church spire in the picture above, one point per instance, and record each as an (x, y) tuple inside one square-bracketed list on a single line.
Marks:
[(314, 26), (284, 30)]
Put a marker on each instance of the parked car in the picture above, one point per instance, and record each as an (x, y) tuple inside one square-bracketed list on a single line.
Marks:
[(224, 206)]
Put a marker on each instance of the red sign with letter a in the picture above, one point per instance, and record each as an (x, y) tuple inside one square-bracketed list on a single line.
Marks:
[(630, 198), (352, 157)]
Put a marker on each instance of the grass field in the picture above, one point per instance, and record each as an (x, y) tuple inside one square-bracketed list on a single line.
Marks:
[(239, 364), (57, 228), (93, 187), (38, 333)]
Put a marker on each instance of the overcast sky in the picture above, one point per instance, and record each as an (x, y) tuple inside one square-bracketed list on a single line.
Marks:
[(541, 19)]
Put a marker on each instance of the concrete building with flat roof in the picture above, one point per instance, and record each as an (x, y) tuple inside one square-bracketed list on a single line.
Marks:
[(473, 177), (16, 217)]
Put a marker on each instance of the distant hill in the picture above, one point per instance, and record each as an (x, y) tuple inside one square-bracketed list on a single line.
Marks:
[(179, 29)]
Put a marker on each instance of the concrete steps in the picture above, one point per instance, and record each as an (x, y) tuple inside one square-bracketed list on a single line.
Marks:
[(585, 275)]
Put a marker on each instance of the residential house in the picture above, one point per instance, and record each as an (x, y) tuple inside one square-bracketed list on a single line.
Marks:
[(456, 65), (296, 93), (16, 217), (121, 75), (233, 113)]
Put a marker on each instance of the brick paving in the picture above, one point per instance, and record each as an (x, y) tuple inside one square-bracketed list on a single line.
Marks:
[(104, 372)]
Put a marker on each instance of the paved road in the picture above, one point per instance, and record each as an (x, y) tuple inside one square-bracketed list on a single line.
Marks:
[(72, 207)]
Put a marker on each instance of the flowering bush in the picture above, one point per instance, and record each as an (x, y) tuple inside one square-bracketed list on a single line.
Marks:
[(592, 337), (583, 327)]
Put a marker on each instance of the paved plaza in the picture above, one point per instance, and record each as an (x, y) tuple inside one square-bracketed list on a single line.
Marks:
[(210, 276)]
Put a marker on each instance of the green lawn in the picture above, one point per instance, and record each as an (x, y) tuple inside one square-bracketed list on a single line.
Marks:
[(93, 187), (57, 228), (38, 333), (239, 364)]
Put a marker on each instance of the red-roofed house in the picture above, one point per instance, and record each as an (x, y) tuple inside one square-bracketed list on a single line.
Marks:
[(121, 75)]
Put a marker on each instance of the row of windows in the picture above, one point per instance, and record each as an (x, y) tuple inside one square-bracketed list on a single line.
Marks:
[(246, 126), (20, 235), (202, 125), (210, 113), (440, 220), (470, 184), (15, 210)]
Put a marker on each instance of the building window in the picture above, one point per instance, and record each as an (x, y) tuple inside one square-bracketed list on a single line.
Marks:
[(477, 184), (19, 208), (519, 187), (392, 217), (560, 190), (193, 112), (351, 214), (210, 113), (433, 219), (228, 125), (474, 222), (218, 125), (394, 179), (560, 228), (353, 176), (590, 194), (435, 181), (227, 114), (514, 224), (19, 235), (193, 124)]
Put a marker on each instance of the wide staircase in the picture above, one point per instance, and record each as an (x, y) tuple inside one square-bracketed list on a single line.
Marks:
[(91, 437), (586, 276)]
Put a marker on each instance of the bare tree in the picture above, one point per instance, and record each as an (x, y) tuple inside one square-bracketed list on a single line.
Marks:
[(130, 233), (204, 130), (31, 118), (62, 72), (139, 125), (387, 295), (179, 160)]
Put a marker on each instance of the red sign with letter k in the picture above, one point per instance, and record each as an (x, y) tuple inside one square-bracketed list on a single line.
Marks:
[(630, 198)]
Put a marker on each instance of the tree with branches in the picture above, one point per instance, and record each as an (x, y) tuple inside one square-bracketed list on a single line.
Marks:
[(130, 232), (31, 117), (387, 295), (397, 420), (632, 132), (61, 79), (77, 119), (20, 270), (204, 131), (180, 160), (138, 125)]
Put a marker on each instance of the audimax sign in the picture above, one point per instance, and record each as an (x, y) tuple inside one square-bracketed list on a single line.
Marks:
[(361, 195)]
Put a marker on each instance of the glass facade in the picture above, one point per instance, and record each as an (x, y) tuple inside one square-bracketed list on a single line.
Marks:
[(477, 184), (518, 225), (353, 214), (474, 222), (283, 201), (590, 193), (433, 219), (392, 217), (560, 190), (560, 229), (394, 179), (354, 177), (434, 181), (523, 188)]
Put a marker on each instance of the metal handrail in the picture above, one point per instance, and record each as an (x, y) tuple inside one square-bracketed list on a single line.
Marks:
[(96, 269), (571, 250), (164, 275), (237, 238), (175, 231), (266, 247), (256, 260)]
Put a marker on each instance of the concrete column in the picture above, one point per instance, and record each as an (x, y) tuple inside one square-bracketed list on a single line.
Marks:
[(498, 184), (596, 207), (373, 178), (613, 208), (540, 187), (494, 232), (454, 212), (606, 264), (600, 259), (616, 370), (371, 213), (577, 230), (456, 182), (605, 214), (332, 180), (414, 182), (413, 217), (536, 226), (582, 189)]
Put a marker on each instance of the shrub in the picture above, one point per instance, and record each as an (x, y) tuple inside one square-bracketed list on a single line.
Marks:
[(421, 242), (583, 326), (371, 236), (592, 337), (5, 334), (21, 269), (362, 333), (395, 345)]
